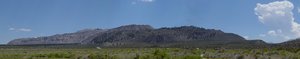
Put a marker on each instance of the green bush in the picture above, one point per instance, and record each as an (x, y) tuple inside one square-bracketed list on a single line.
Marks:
[(159, 54), (192, 57), (97, 56)]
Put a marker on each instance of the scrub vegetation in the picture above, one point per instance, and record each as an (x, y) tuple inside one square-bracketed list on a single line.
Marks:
[(148, 53)]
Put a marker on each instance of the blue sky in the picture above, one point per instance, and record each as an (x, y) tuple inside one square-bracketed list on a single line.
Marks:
[(33, 18)]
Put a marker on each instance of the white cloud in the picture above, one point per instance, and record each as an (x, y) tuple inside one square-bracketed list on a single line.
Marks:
[(278, 15), (24, 29), (11, 29), (298, 10), (246, 37), (275, 33), (141, 1), (272, 32), (20, 29), (274, 13), (147, 0)]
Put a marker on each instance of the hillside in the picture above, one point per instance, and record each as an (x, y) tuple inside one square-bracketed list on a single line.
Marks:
[(291, 43), (146, 36), (66, 38)]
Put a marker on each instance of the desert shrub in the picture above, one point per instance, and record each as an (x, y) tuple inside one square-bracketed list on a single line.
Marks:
[(97, 56), (192, 57), (39, 55), (143, 56), (101, 56), (60, 55), (176, 50), (240, 57), (54, 55), (137, 57), (196, 51), (160, 54)]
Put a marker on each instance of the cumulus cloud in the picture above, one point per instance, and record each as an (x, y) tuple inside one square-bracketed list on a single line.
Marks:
[(278, 15), (20, 29), (274, 33)]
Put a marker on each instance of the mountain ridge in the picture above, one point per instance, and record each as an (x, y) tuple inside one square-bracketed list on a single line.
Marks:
[(145, 36)]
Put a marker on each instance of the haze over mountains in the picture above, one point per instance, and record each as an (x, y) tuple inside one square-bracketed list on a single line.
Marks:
[(147, 36)]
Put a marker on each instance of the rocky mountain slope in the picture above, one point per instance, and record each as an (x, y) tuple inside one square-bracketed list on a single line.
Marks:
[(67, 38), (291, 43), (145, 36)]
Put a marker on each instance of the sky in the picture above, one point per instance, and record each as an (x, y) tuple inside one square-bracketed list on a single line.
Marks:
[(273, 21)]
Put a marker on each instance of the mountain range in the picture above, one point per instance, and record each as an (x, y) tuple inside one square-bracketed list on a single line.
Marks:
[(147, 36)]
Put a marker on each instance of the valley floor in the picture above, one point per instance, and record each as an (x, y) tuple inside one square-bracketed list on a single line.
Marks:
[(146, 53)]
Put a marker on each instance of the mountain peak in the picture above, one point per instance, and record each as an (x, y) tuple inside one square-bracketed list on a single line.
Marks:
[(134, 27)]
